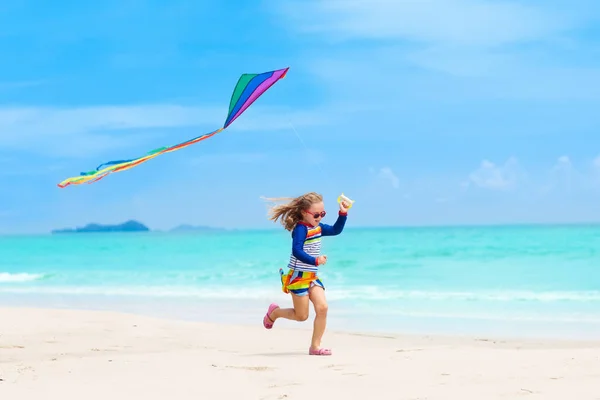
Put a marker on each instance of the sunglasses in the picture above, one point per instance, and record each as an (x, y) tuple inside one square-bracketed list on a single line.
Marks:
[(317, 215)]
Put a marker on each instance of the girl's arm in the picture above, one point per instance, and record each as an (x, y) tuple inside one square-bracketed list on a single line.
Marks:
[(298, 237), (337, 228)]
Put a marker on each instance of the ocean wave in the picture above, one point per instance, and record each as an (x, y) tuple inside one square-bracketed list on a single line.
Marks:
[(349, 306), (263, 292), (142, 291), (376, 293), (6, 277)]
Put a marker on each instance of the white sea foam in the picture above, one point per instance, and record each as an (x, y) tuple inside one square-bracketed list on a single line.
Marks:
[(6, 277), (360, 294)]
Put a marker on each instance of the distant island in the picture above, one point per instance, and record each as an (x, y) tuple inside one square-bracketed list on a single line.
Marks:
[(128, 226)]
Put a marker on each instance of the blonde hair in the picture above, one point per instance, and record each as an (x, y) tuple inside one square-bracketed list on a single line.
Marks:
[(291, 212)]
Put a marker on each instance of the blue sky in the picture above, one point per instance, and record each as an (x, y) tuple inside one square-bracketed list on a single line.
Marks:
[(432, 112)]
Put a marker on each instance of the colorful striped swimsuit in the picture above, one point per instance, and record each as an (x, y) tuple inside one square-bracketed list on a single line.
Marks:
[(306, 248)]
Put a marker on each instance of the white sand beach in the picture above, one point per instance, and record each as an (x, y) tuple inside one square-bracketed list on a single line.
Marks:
[(63, 354)]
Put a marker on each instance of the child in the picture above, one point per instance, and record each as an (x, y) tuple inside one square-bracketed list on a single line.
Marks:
[(302, 217)]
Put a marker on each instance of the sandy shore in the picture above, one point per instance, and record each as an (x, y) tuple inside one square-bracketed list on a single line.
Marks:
[(58, 354)]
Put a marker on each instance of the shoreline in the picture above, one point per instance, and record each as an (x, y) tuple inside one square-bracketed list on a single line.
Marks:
[(306, 327), (102, 354), (343, 317)]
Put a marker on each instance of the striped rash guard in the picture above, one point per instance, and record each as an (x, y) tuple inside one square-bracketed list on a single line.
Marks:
[(306, 243)]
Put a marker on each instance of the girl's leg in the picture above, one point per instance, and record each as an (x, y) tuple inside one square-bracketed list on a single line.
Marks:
[(298, 313), (317, 296)]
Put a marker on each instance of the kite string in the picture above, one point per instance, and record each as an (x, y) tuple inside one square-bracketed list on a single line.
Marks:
[(307, 149)]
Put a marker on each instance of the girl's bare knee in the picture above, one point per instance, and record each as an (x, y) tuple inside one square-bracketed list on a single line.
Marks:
[(301, 316), (321, 309)]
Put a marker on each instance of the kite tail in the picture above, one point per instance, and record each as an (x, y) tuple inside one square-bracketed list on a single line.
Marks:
[(247, 90)]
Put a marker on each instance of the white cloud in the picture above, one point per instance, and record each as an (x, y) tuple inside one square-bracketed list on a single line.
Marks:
[(596, 163), (563, 163), (563, 169), (454, 22), (452, 42), (229, 158), (463, 62), (82, 131), (23, 168), (563, 172), (596, 171), (19, 84), (563, 178), (387, 175), (495, 177), (566, 178)]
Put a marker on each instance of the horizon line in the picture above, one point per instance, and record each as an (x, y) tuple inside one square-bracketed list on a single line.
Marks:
[(210, 229)]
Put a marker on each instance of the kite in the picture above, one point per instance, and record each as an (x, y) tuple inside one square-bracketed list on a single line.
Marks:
[(248, 88)]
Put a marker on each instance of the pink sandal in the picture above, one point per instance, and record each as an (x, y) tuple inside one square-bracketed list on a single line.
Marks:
[(267, 321), (319, 352)]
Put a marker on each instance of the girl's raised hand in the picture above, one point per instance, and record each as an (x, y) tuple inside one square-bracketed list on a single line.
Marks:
[(344, 207)]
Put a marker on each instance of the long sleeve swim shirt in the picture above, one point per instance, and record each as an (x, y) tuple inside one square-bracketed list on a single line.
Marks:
[(306, 243)]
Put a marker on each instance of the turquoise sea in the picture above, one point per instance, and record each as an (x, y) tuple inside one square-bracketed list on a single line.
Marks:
[(503, 280)]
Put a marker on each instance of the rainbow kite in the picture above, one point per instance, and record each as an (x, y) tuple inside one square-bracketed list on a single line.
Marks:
[(249, 88)]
